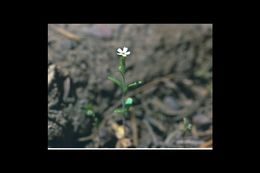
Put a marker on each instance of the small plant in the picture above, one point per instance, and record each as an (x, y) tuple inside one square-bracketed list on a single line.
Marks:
[(187, 128), (123, 85), (187, 125), (89, 112)]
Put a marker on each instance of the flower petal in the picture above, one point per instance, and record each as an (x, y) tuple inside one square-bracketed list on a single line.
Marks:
[(125, 49), (119, 50), (127, 53)]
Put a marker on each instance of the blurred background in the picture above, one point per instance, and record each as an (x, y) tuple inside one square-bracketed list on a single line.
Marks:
[(174, 61)]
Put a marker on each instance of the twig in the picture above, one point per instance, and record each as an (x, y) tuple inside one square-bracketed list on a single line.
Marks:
[(183, 137), (134, 129), (206, 144), (156, 123), (151, 84), (166, 110), (189, 142), (169, 138), (86, 138), (51, 73), (66, 33), (150, 131)]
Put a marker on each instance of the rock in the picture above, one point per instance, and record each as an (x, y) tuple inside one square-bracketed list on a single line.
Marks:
[(202, 121), (68, 44), (171, 102)]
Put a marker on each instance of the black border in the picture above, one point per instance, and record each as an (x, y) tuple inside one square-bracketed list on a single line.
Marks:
[(40, 90)]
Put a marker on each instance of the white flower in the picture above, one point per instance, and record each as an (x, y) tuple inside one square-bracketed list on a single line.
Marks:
[(123, 52)]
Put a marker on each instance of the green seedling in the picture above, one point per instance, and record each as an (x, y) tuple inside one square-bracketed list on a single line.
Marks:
[(89, 112), (187, 124), (122, 84), (187, 128)]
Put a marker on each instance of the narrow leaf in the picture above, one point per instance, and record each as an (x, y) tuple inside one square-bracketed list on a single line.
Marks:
[(134, 84), (116, 81), (125, 88), (120, 110)]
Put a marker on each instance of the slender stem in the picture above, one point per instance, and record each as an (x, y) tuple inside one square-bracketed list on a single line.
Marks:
[(123, 99), (123, 107), (183, 137)]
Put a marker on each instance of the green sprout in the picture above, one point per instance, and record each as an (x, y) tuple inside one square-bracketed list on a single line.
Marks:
[(187, 128), (187, 125), (121, 83), (89, 112)]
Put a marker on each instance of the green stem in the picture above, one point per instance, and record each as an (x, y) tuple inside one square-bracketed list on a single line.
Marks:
[(123, 98), (121, 69)]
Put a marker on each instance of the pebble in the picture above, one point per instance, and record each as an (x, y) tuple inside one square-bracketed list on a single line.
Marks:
[(202, 121), (171, 102)]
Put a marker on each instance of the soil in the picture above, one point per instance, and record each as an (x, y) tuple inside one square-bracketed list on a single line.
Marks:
[(173, 61)]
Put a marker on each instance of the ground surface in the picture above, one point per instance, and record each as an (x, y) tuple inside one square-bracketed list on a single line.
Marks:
[(173, 61)]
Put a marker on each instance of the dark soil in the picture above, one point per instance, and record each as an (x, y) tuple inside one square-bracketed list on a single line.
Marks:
[(173, 61)]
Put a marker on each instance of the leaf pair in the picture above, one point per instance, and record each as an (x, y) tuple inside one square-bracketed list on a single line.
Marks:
[(118, 83), (123, 87), (128, 102), (89, 111)]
